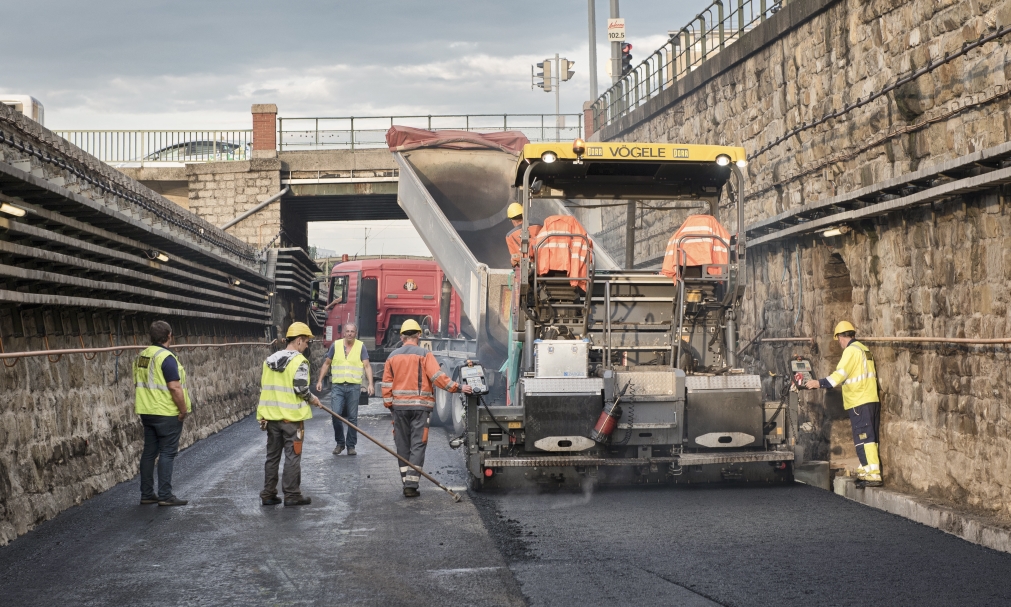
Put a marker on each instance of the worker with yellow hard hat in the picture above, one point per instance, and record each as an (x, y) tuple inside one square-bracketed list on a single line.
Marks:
[(858, 377), (513, 239), (410, 377), (284, 406)]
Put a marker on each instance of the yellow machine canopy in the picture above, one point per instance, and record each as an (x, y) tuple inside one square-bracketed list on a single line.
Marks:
[(623, 170)]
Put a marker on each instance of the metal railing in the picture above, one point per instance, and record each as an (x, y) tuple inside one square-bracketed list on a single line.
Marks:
[(163, 146), (357, 132), (685, 50)]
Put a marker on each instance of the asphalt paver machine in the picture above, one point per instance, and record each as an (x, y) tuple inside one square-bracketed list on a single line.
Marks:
[(629, 376)]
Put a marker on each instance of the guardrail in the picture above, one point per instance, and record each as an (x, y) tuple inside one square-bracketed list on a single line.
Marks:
[(358, 132), (163, 146), (686, 49)]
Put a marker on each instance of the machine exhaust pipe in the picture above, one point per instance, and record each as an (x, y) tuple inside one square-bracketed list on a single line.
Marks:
[(608, 419)]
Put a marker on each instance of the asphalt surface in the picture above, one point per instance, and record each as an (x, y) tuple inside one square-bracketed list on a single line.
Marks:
[(361, 543)]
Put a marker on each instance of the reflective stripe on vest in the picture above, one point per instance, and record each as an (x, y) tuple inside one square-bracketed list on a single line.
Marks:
[(347, 369), (152, 395), (278, 400)]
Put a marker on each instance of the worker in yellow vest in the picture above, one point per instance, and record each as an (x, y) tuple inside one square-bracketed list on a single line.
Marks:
[(284, 406), (858, 376), (162, 402), (348, 361)]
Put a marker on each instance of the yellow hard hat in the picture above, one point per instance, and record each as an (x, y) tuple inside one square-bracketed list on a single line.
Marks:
[(410, 325), (514, 210), (299, 329), (843, 327)]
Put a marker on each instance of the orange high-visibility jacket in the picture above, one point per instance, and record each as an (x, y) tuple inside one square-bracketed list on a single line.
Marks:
[(697, 251), (560, 252), (408, 379), (513, 242)]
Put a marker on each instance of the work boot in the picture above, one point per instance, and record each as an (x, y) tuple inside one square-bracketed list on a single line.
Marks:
[(411, 492), (271, 501), (337, 450), (301, 500), (351, 451), (173, 501), (148, 500)]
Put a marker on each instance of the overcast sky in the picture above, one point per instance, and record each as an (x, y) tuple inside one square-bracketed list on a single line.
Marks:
[(198, 64)]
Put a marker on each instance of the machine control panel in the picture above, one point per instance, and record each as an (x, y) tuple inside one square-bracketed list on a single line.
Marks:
[(472, 374), (801, 369)]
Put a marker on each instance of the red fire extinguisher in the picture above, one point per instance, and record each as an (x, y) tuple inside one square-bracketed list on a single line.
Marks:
[(608, 419)]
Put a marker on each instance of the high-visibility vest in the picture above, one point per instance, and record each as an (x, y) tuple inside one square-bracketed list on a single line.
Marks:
[(347, 369), (152, 396), (858, 376), (514, 242), (556, 250), (278, 400), (697, 251)]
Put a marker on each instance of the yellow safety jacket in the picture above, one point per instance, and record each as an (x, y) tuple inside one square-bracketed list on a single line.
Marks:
[(857, 375), (347, 369), (152, 394), (278, 400)]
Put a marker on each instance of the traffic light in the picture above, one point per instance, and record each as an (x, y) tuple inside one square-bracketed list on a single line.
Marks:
[(565, 70), (626, 58), (544, 75)]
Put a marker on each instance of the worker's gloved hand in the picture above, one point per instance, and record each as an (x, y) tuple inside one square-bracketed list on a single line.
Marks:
[(812, 384), (467, 389), (315, 401), (263, 424)]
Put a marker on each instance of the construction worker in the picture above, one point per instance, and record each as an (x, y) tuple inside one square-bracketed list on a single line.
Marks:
[(513, 239), (283, 409), (561, 251), (408, 379), (858, 376), (162, 402), (698, 251), (349, 361)]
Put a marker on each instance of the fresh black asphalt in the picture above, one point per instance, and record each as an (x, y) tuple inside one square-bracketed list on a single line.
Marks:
[(361, 543)]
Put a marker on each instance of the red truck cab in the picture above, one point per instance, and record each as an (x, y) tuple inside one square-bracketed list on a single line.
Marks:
[(378, 295)]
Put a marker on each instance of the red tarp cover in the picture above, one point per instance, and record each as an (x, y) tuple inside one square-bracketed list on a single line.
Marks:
[(403, 138)]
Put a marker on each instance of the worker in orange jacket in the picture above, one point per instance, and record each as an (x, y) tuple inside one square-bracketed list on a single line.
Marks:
[(697, 251), (513, 238), (409, 379), (557, 250)]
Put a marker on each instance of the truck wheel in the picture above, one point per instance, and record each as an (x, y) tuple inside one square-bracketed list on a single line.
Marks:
[(459, 413), (443, 413)]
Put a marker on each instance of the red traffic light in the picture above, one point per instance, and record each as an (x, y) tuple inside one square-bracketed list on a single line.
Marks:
[(626, 47)]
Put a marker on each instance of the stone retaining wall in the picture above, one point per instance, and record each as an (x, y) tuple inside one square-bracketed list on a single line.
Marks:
[(68, 428), (940, 270)]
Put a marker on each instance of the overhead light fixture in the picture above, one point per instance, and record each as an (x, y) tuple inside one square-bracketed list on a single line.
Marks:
[(723, 160), (236, 282), (156, 255), (12, 210), (549, 157), (837, 231), (742, 163)]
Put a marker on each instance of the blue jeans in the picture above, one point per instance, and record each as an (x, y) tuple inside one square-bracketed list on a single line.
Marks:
[(161, 442), (344, 402)]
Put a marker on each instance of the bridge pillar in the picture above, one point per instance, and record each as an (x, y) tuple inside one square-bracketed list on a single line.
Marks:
[(264, 130)]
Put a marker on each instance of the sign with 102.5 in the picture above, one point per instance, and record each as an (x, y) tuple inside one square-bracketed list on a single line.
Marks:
[(615, 30)]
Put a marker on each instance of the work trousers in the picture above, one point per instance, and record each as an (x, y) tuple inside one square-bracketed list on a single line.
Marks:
[(864, 420), (344, 402), (161, 442), (410, 433), (281, 436)]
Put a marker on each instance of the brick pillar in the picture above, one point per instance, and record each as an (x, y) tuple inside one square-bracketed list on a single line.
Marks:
[(587, 119), (264, 130)]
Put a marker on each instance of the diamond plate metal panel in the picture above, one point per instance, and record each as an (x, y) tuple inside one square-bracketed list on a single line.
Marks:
[(647, 383), (722, 382), (574, 385)]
